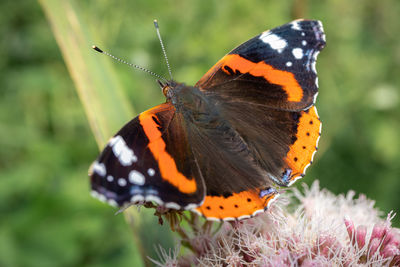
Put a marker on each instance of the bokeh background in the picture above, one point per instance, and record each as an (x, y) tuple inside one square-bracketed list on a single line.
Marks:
[(47, 217)]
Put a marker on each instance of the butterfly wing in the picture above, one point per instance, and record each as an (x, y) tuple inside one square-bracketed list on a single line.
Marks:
[(246, 203), (266, 89), (237, 175), (275, 69), (149, 159), (237, 206)]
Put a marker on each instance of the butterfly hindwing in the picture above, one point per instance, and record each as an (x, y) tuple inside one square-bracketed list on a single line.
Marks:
[(237, 206), (149, 159), (303, 147)]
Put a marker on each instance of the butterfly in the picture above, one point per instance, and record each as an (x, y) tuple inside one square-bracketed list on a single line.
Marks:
[(223, 147)]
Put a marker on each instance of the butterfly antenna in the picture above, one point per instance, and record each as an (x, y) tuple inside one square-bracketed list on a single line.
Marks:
[(162, 47), (130, 64)]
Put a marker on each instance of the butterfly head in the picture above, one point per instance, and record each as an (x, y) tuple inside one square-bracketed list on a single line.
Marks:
[(166, 86)]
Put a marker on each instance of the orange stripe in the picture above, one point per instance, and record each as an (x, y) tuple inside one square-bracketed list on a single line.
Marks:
[(235, 206), (261, 69), (166, 163)]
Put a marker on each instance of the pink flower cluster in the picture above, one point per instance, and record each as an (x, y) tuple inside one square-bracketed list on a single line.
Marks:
[(316, 229), (382, 245)]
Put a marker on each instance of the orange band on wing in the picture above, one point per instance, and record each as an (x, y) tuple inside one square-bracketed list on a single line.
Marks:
[(302, 150), (166, 163), (260, 69), (245, 203)]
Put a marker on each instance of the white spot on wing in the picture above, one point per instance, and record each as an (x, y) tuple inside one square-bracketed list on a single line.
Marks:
[(110, 178), (297, 53), (274, 41), (94, 194), (127, 158), (99, 168), (172, 205), (151, 172), (112, 202), (122, 182), (136, 177), (304, 42), (154, 198), (137, 198), (289, 64), (102, 198), (296, 26), (124, 154)]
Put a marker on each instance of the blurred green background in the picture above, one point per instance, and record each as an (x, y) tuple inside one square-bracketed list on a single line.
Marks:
[(47, 217)]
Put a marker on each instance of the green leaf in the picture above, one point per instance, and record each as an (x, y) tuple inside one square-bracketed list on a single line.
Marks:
[(100, 92), (103, 99)]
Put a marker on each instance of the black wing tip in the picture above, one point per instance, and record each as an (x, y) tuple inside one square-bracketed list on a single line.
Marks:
[(310, 25)]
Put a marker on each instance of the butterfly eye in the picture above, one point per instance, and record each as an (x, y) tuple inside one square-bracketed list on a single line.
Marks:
[(166, 89)]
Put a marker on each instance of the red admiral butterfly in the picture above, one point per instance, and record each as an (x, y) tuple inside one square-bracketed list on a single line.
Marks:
[(221, 147)]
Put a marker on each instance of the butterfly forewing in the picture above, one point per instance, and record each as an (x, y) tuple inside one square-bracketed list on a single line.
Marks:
[(149, 159), (274, 69)]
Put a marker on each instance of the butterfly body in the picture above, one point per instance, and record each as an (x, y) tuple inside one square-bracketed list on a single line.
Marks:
[(221, 147), (193, 104)]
